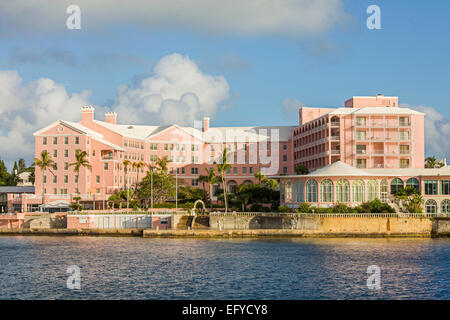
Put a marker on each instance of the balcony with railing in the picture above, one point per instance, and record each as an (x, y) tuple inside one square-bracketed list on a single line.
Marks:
[(335, 138)]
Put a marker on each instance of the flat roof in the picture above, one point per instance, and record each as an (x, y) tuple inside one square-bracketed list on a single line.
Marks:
[(15, 189)]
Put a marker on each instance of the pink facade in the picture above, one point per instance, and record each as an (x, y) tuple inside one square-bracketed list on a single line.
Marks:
[(370, 132), (190, 149)]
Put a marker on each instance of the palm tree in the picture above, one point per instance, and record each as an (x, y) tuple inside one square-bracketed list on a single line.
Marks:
[(222, 169), (80, 162), (162, 164), (44, 163), (126, 164), (260, 176), (138, 166), (431, 162), (211, 179)]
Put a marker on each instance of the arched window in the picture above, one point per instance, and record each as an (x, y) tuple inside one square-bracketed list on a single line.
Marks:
[(288, 192), (384, 190), (311, 190), (430, 206), (299, 193), (445, 206), (326, 191), (372, 190), (282, 189), (396, 184), (343, 191), (358, 191), (413, 182)]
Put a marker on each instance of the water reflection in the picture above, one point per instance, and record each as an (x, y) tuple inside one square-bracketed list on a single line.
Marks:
[(135, 268)]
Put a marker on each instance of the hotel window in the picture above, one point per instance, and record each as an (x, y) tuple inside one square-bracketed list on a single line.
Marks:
[(396, 185), (235, 159), (361, 149), (326, 191), (445, 206), (250, 170), (431, 206), (414, 183), (166, 146), (384, 190), (105, 166), (360, 163), (194, 147), (431, 187), (360, 135), (244, 170), (55, 153), (360, 121), (194, 182), (311, 190), (66, 140), (93, 153), (55, 140), (298, 191), (404, 149), (284, 146), (66, 153), (77, 140), (284, 157), (404, 163), (97, 179), (211, 148), (55, 191), (445, 186), (235, 170), (284, 170), (194, 159), (229, 171), (343, 191), (171, 147), (66, 179), (45, 179), (76, 190), (153, 146), (55, 179), (372, 190), (358, 191), (404, 135), (66, 166), (194, 170), (44, 141), (153, 157), (76, 179), (404, 121)]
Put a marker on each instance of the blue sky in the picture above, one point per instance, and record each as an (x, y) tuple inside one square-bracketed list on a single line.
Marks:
[(408, 57)]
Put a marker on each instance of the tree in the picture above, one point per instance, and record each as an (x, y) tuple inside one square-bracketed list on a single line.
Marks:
[(22, 166), (162, 164), (44, 163), (81, 161), (260, 176), (272, 184), (301, 169), (244, 197), (163, 187), (211, 179), (138, 165), (410, 200), (222, 169), (431, 162), (4, 174)]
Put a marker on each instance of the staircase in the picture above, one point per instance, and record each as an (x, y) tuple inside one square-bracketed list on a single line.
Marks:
[(201, 222), (184, 223)]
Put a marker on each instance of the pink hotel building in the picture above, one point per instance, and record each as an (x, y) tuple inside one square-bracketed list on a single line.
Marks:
[(369, 134)]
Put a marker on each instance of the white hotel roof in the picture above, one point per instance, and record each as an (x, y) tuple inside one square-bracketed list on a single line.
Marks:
[(340, 168), (376, 110)]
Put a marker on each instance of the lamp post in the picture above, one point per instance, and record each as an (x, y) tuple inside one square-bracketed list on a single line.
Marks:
[(176, 190), (151, 189)]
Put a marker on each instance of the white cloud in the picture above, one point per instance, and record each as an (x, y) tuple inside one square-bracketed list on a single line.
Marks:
[(251, 17), (26, 107), (291, 106), (177, 92), (437, 131)]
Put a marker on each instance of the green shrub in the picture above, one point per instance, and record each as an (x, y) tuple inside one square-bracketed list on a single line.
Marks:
[(284, 209)]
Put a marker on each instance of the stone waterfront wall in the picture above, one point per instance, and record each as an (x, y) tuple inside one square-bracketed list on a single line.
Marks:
[(118, 221), (356, 224)]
